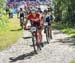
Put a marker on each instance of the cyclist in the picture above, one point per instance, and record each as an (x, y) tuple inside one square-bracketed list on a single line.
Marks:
[(48, 18), (21, 17), (35, 19)]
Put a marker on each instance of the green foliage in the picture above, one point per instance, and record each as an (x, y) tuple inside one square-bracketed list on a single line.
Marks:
[(73, 61), (3, 18), (9, 33), (65, 29), (66, 9), (3, 22)]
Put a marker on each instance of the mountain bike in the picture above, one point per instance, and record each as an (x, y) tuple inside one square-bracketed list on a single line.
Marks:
[(35, 38), (47, 28)]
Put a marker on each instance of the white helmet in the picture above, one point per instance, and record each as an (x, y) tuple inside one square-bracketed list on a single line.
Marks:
[(33, 10)]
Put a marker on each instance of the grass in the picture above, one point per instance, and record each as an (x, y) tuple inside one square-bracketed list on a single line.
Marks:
[(65, 29), (11, 34), (73, 61)]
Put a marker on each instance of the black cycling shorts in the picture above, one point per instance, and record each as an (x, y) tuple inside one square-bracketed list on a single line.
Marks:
[(49, 24), (35, 24)]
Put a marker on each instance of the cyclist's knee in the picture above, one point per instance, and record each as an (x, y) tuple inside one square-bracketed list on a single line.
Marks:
[(39, 33)]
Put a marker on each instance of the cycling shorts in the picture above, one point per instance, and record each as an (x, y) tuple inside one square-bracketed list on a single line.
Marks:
[(49, 24), (36, 24)]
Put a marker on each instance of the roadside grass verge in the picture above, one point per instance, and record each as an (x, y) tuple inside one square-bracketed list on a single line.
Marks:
[(10, 34), (73, 61), (65, 29)]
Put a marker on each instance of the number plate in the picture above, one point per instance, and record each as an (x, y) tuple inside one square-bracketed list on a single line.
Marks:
[(21, 17), (33, 29), (46, 23)]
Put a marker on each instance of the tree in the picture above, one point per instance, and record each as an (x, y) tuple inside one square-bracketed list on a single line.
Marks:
[(65, 8)]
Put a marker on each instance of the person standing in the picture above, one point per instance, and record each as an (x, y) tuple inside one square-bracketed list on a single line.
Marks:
[(21, 17), (10, 13), (7, 10)]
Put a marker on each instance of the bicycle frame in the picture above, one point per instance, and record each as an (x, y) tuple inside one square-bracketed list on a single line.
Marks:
[(47, 33)]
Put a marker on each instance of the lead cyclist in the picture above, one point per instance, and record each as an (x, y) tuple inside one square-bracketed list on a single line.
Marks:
[(35, 19)]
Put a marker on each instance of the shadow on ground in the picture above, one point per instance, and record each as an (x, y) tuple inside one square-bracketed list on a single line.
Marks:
[(16, 30), (22, 57), (67, 41), (26, 37), (57, 32)]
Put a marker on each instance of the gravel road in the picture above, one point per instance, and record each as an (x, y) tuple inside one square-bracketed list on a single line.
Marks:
[(60, 50)]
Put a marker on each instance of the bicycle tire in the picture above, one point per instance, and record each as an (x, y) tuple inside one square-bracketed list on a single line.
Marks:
[(34, 44), (47, 35)]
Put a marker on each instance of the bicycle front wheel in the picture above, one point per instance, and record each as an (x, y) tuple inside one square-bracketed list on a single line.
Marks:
[(34, 44)]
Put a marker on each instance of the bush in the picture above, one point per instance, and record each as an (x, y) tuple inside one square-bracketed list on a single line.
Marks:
[(3, 22)]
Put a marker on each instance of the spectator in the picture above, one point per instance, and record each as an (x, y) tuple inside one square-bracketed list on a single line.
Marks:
[(10, 13)]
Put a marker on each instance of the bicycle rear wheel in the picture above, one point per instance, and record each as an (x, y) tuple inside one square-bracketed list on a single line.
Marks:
[(47, 35)]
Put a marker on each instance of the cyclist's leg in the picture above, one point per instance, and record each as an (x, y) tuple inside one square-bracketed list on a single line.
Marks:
[(38, 40), (39, 32), (22, 22), (35, 34), (40, 37)]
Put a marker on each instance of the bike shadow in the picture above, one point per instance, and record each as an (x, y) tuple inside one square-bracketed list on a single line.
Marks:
[(26, 37), (22, 57), (43, 44), (16, 30)]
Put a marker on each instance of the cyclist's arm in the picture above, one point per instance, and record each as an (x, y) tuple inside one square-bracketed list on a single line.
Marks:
[(38, 18)]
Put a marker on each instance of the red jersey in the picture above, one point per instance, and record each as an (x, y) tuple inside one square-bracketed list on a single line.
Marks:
[(33, 18)]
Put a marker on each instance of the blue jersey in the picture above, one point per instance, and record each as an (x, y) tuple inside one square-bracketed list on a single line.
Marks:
[(48, 18)]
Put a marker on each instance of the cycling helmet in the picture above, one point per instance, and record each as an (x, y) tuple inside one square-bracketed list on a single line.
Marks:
[(33, 10), (45, 11)]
